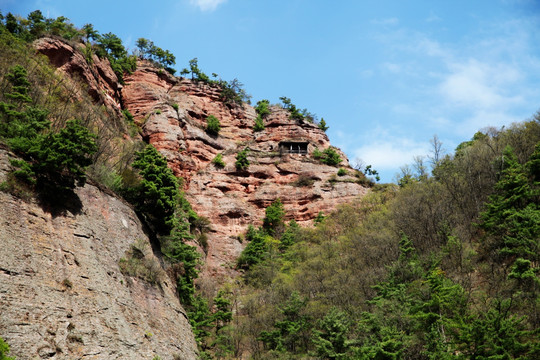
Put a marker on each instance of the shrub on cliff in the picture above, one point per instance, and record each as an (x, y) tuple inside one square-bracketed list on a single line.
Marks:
[(218, 161), (262, 108), (322, 125), (328, 156), (61, 158), (259, 124), (242, 161), (213, 126), (263, 111), (256, 249)]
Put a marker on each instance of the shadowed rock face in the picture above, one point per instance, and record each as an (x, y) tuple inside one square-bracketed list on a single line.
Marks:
[(233, 199), (62, 294)]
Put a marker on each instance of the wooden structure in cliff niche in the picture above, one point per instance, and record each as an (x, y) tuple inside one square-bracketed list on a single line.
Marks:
[(293, 147)]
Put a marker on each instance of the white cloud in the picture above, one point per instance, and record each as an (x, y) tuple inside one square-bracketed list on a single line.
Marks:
[(433, 18), (392, 67), (485, 118), (429, 47), (390, 154), (207, 5), (479, 85)]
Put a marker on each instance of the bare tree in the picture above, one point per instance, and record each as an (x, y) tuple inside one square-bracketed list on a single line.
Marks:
[(420, 167), (358, 164), (437, 151)]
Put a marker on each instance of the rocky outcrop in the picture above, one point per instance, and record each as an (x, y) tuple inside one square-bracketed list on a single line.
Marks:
[(62, 294), (172, 113), (98, 77)]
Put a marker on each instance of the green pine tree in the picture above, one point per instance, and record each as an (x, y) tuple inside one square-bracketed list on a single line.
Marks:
[(158, 194), (273, 221), (331, 338)]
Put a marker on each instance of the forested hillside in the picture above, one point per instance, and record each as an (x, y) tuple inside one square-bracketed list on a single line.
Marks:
[(441, 266)]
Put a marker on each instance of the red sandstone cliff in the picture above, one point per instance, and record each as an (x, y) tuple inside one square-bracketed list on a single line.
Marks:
[(233, 199), (230, 199)]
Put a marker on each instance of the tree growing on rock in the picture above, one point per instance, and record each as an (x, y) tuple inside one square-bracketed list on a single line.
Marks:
[(274, 222), (158, 193), (242, 162), (213, 126)]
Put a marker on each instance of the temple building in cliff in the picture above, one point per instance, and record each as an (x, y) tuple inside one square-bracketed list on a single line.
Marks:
[(293, 147)]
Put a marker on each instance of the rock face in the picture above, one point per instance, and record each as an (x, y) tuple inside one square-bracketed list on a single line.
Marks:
[(101, 81), (62, 294), (172, 113)]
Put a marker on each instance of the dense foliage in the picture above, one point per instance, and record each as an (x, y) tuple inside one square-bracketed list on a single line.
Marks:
[(242, 161), (157, 194), (52, 160), (91, 42), (443, 267), (263, 110), (4, 351), (213, 125), (328, 156)]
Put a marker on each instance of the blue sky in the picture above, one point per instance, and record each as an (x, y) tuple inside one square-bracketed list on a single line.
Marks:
[(385, 75)]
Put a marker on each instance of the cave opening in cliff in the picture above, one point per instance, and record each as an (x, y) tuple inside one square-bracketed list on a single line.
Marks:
[(293, 147)]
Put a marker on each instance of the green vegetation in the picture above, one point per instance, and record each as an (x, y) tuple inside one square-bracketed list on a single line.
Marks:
[(341, 172), (53, 161), (218, 161), (263, 111), (4, 351), (259, 124), (92, 43), (297, 114), (328, 156), (232, 92), (110, 46), (137, 263), (273, 222), (290, 334), (445, 267), (157, 194), (441, 266), (322, 125), (369, 171), (162, 58), (242, 161), (212, 125)]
